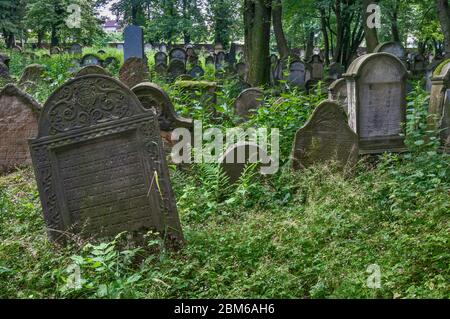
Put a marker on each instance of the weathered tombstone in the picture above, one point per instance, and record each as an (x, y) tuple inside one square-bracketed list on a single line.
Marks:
[(196, 72), (337, 91), (376, 86), (190, 50), (90, 59), (241, 70), (439, 107), (76, 49), (75, 64), (237, 156), (219, 60), (92, 69), (133, 72), (160, 57), (316, 67), (19, 114), (418, 64), (133, 42), (161, 69), (32, 73), (297, 74), (99, 163), (394, 48), (192, 60), (202, 91), (249, 99), (176, 68), (325, 137), (152, 97), (177, 54), (335, 71)]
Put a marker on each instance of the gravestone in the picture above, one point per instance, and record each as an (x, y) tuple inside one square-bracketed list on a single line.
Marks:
[(376, 86), (237, 156), (92, 69), (19, 114), (418, 64), (99, 164), (219, 60), (75, 64), (394, 48), (152, 97), (202, 91), (111, 61), (335, 71), (176, 68), (32, 73), (429, 73), (325, 137), (133, 42), (337, 91), (90, 59), (241, 70), (160, 57), (161, 69), (439, 107), (76, 49), (279, 70), (316, 67), (249, 99), (209, 60), (133, 72), (297, 74), (193, 60), (196, 72), (177, 54)]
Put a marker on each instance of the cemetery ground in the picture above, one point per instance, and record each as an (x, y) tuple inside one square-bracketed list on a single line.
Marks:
[(307, 234)]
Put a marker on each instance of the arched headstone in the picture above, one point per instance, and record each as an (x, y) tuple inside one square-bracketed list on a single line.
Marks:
[(90, 59), (99, 163), (92, 69), (19, 114), (160, 57), (177, 54), (110, 61), (176, 68), (316, 63), (297, 74), (76, 49), (335, 71), (249, 99), (376, 86), (32, 73), (325, 137), (133, 72), (394, 48)]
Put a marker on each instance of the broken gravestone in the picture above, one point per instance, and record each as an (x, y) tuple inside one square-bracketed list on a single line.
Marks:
[(99, 164), (133, 72)]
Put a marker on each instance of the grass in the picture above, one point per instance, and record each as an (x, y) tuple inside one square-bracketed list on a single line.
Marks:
[(309, 234)]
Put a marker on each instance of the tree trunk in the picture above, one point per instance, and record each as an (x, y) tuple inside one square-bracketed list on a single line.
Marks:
[(277, 14), (40, 36), (257, 16), (325, 36), (394, 24), (370, 34), (54, 39), (309, 46), (444, 19)]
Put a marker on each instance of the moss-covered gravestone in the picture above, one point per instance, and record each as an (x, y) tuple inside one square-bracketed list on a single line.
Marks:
[(99, 163), (134, 71), (248, 100)]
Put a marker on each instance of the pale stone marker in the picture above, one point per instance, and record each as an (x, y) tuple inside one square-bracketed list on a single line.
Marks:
[(133, 72), (325, 137), (297, 74), (249, 99), (337, 91), (19, 114), (133, 42), (99, 163), (376, 86), (394, 48)]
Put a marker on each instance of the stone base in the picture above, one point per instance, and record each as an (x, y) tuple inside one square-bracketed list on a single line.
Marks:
[(394, 144)]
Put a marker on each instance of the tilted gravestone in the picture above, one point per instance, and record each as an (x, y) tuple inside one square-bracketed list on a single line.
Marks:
[(133, 72), (237, 156), (55, 50), (177, 54), (152, 97), (249, 99), (394, 48), (202, 91), (160, 57), (439, 107), (176, 68), (99, 163), (90, 59), (196, 72), (297, 74), (92, 69), (325, 137), (76, 49), (19, 114), (337, 91), (133, 42), (335, 71), (376, 86)]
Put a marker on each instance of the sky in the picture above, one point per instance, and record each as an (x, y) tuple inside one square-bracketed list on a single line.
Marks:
[(106, 10)]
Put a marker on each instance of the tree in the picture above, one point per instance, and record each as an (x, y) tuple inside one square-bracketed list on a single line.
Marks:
[(444, 19), (257, 17), (11, 20), (277, 15)]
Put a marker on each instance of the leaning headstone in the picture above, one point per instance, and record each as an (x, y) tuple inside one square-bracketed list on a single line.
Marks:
[(133, 72), (337, 91), (176, 68), (90, 59), (439, 107), (177, 54), (325, 137), (19, 114), (237, 156), (160, 57), (99, 164), (133, 42), (92, 69), (249, 99), (297, 74), (376, 86), (335, 71), (202, 91), (196, 72), (76, 49), (152, 97), (394, 48), (429, 73)]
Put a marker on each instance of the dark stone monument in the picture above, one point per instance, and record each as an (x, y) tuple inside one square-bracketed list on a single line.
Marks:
[(196, 72), (316, 63), (325, 137), (5, 59), (249, 99), (160, 57), (4, 73), (177, 54), (133, 72), (133, 42), (209, 60), (376, 86), (19, 114), (99, 163), (219, 60), (176, 68), (110, 62), (161, 69)]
